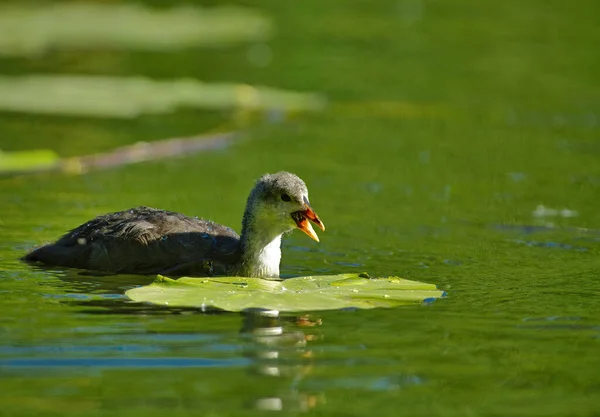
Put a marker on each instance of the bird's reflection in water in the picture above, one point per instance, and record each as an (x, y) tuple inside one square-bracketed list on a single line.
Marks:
[(280, 348)]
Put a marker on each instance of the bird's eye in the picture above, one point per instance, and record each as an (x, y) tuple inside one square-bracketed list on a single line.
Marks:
[(286, 197)]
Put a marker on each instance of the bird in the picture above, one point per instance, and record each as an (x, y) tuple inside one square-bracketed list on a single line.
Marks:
[(145, 240)]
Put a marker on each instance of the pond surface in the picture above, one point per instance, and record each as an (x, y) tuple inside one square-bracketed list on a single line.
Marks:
[(460, 147)]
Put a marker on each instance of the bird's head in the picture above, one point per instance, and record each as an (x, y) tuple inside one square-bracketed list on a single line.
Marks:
[(279, 202)]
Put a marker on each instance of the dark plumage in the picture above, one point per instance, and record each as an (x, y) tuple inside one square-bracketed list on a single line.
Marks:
[(145, 240)]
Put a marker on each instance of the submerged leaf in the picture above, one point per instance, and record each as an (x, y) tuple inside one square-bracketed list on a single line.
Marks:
[(311, 293), (128, 97)]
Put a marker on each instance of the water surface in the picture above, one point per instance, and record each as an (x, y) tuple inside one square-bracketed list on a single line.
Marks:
[(448, 126)]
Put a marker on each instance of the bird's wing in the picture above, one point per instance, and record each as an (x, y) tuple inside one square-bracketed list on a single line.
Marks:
[(145, 241)]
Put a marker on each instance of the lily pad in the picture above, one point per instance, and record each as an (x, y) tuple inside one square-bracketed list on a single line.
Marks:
[(29, 30), (129, 97), (310, 293), (27, 161)]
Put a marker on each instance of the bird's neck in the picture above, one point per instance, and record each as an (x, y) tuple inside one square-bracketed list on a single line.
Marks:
[(261, 251)]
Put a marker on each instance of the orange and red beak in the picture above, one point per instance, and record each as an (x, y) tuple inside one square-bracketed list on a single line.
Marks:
[(301, 218)]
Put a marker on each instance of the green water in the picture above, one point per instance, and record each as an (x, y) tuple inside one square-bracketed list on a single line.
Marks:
[(448, 124)]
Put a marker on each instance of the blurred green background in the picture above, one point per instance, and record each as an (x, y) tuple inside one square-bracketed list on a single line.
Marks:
[(455, 143)]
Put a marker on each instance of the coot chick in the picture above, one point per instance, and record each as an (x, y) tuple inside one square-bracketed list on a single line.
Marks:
[(145, 240)]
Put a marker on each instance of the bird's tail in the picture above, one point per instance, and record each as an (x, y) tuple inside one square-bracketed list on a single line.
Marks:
[(53, 254)]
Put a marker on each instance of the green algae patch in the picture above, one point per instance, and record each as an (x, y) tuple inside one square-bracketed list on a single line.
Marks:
[(310, 293)]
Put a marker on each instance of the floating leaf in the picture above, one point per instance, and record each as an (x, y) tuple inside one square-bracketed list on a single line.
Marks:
[(35, 161), (23, 161), (128, 97), (31, 30), (311, 293)]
